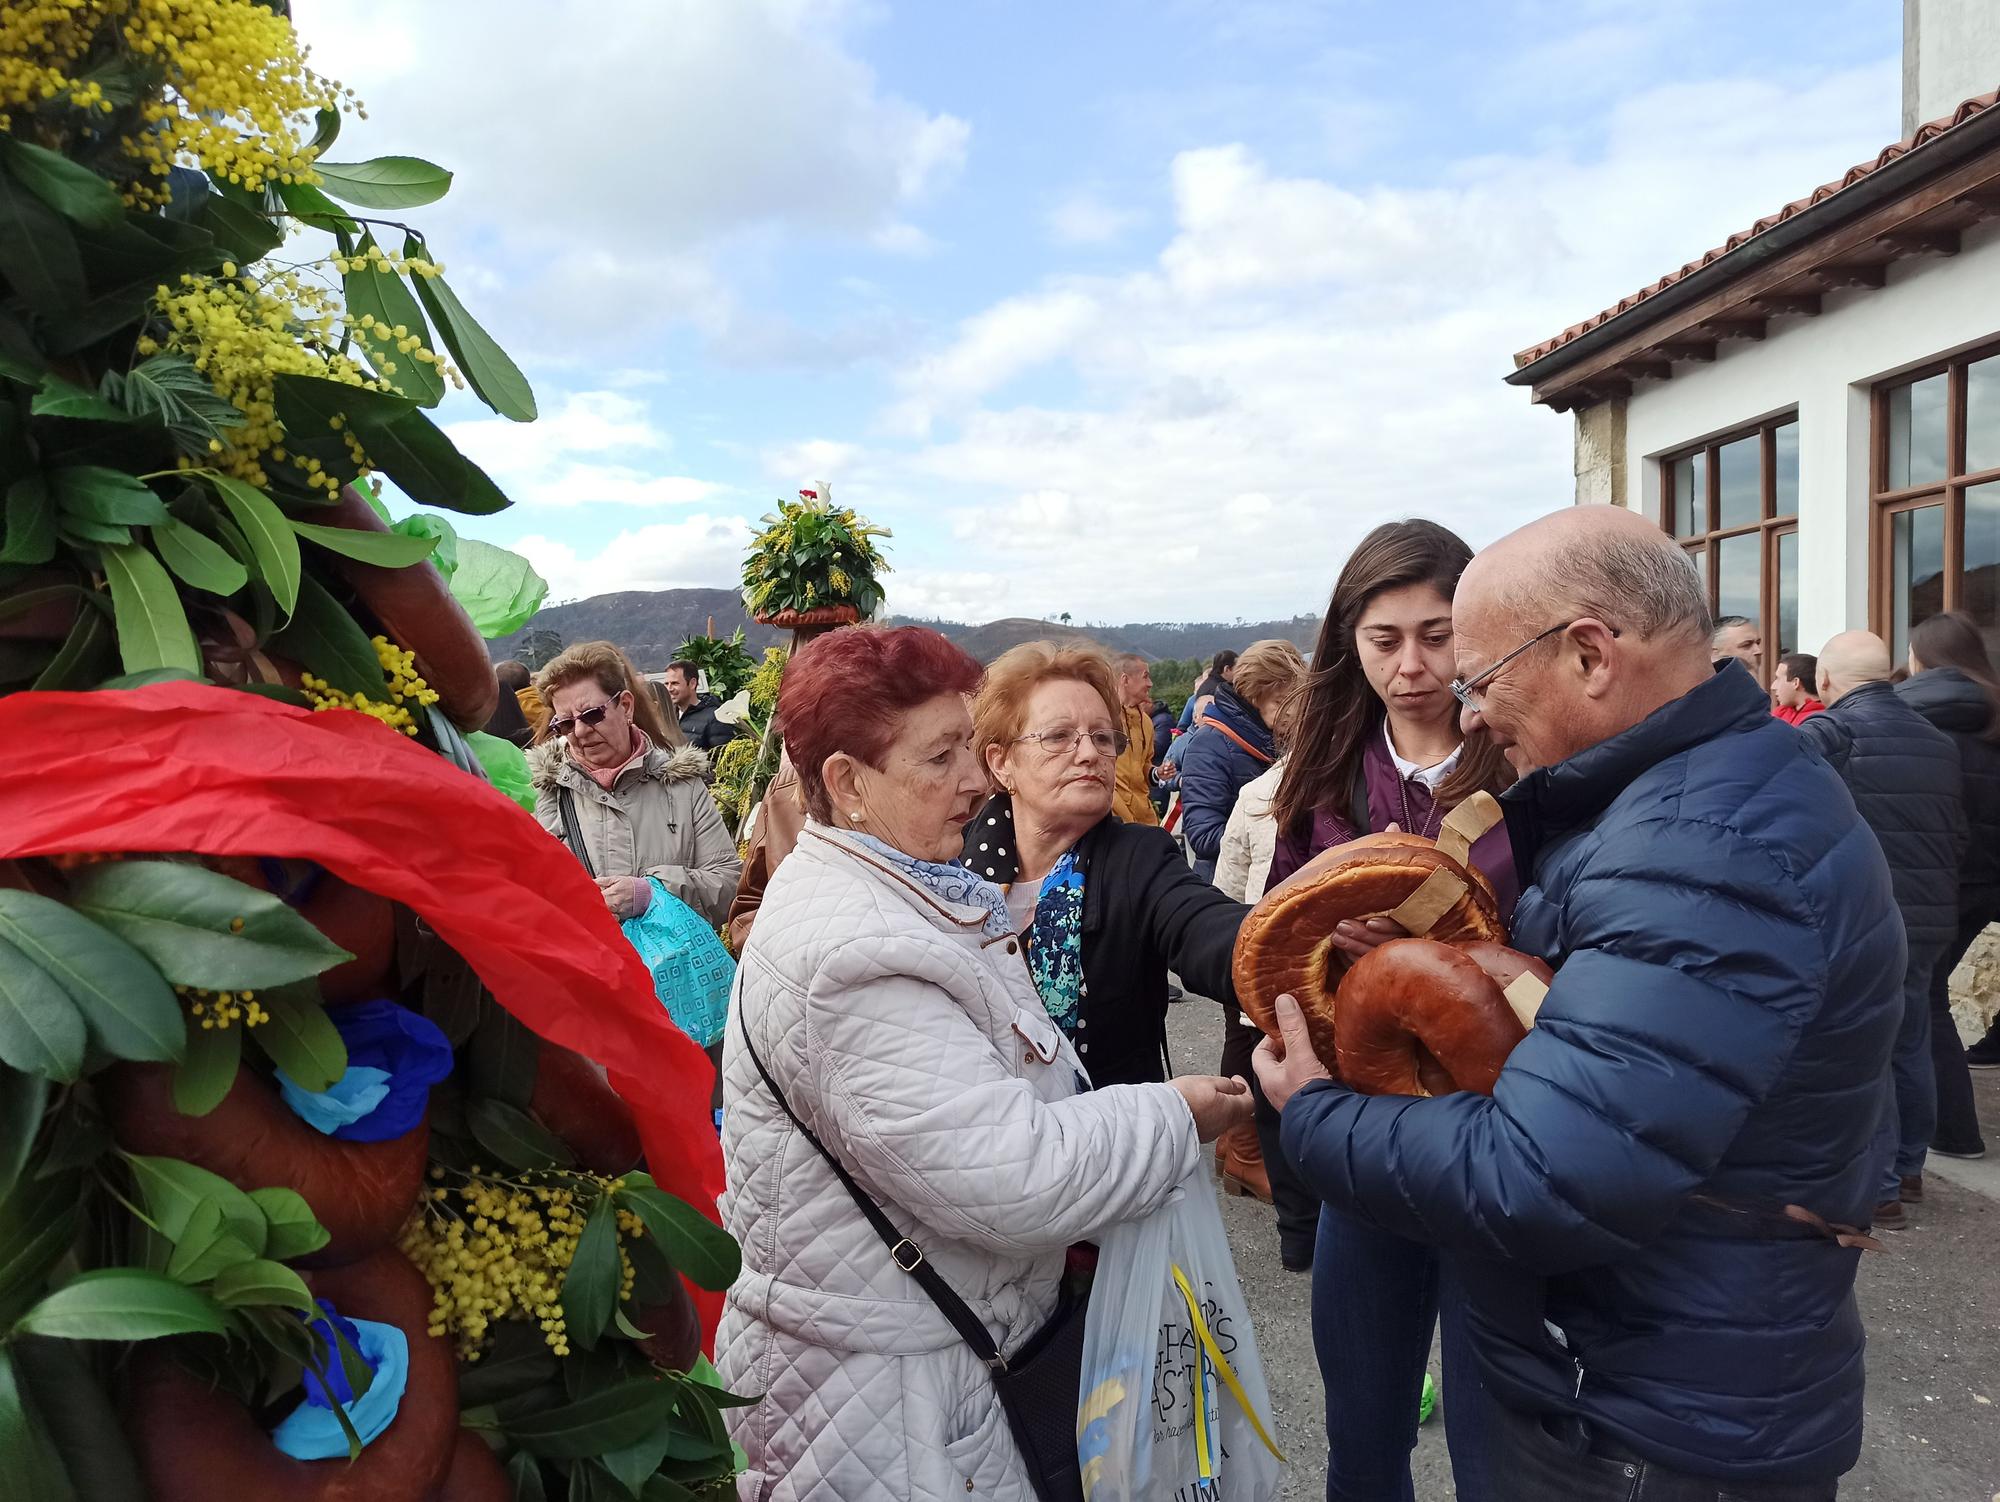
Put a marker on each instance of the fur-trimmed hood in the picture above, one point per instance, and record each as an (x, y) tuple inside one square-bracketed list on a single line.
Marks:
[(549, 765)]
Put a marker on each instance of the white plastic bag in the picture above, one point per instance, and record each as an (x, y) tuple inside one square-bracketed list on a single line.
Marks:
[(1173, 1406)]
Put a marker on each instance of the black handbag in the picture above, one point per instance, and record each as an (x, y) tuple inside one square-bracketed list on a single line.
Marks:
[(1038, 1385)]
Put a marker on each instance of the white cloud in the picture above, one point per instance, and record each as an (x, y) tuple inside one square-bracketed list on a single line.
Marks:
[(992, 348), (811, 459), (1084, 219), (689, 129), (1308, 356), (577, 455), (903, 239), (695, 552)]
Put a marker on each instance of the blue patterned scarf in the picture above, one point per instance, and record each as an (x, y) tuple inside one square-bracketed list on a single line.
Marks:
[(947, 881), (1055, 943)]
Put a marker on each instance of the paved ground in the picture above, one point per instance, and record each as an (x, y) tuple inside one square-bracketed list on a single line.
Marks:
[(1932, 1305)]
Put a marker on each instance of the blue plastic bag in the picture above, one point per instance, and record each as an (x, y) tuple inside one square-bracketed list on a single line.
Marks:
[(692, 972)]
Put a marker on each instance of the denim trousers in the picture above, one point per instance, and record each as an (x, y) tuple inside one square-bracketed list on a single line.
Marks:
[(1539, 1459), (1914, 1074), (1376, 1302)]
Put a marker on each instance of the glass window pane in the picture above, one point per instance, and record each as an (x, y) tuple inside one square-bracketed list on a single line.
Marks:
[(1699, 558), (1739, 576), (1982, 415), (1698, 490), (1683, 481), (1788, 593), (1916, 572), (1785, 444), (1739, 478), (1979, 596), (1916, 433)]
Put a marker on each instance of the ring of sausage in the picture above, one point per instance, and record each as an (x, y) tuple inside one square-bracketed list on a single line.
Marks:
[(415, 609), (360, 1191), (1415, 1014), (1286, 943), (196, 1442)]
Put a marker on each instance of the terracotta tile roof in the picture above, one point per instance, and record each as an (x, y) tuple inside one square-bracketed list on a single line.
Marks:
[(1925, 134)]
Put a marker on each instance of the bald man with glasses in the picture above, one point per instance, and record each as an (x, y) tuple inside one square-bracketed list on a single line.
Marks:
[(1654, 1213)]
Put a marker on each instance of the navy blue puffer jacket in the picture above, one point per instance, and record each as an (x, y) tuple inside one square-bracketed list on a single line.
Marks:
[(1963, 710), (1230, 749), (1904, 775), (1729, 966)]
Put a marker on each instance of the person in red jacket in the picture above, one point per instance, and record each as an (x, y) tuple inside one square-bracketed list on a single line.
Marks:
[(1792, 688)]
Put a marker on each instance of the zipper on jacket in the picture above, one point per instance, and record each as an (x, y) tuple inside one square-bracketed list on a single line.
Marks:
[(1579, 1381)]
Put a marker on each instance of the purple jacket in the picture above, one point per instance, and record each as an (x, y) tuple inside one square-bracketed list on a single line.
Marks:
[(1386, 792)]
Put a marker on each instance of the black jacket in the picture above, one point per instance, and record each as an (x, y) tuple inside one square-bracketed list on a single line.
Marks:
[(1961, 709), (1144, 912), (701, 727), (1904, 776)]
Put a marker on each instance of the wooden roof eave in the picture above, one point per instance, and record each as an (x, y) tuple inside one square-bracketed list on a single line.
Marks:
[(1845, 241)]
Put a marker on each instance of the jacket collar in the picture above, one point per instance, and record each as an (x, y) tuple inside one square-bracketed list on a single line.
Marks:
[(989, 841), (1862, 698), (1233, 710), (837, 845), (1554, 800), (1948, 699), (549, 766)]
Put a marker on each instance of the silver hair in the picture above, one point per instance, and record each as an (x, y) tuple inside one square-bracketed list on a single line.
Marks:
[(1645, 587)]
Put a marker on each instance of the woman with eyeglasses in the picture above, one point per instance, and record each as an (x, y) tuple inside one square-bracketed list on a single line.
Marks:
[(1107, 908), (634, 812), (1376, 746)]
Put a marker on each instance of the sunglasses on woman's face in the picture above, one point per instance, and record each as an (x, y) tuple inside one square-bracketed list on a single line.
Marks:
[(592, 717)]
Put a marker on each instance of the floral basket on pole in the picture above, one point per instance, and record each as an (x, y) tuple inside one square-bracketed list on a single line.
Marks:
[(344, 1149)]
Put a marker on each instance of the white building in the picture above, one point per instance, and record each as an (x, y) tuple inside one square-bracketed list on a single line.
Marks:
[(1814, 407)]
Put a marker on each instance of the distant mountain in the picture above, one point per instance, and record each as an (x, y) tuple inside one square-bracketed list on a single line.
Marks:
[(650, 624)]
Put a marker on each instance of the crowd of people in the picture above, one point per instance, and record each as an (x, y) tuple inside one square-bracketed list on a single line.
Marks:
[(971, 895)]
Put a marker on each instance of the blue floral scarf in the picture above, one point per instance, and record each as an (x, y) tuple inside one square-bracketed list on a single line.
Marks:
[(947, 881), (1055, 943)]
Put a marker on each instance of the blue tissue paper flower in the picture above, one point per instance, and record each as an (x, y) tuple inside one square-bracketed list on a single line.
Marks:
[(312, 1431), (390, 1050)]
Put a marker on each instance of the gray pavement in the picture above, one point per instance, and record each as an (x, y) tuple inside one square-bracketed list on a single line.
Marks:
[(1932, 1303)]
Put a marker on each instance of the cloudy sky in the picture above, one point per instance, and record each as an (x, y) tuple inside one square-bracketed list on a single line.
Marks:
[(1136, 309)]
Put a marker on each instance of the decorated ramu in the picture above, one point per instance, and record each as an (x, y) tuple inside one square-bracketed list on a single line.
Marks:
[(345, 1150)]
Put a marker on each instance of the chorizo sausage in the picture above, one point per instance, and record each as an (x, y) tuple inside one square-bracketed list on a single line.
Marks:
[(360, 1191), (1286, 943), (416, 610), (1416, 1001), (196, 1442)]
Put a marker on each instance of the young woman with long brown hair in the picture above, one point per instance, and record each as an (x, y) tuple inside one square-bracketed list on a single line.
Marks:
[(1376, 746)]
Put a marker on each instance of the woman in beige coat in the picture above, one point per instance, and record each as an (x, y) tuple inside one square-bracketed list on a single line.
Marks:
[(643, 811)]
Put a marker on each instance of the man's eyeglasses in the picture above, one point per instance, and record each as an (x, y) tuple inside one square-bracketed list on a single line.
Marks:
[(592, 717), (1464, 689), (1061, 742)]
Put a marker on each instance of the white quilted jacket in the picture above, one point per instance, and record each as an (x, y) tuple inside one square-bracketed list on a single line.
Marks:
[(919, 1053)]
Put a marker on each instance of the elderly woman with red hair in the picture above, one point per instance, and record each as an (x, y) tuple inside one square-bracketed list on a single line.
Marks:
[(886, 1029)]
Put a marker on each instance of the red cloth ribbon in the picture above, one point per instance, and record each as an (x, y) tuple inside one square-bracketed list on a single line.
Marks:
[(215, 771)]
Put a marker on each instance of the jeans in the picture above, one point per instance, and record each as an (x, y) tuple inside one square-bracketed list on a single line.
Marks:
[(1914, 1073), (1375, 1303), (1538, 1459), (1957, 1120)]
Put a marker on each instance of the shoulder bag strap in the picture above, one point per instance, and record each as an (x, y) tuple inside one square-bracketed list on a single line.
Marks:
[(1262, 756), (906, 1253), (572, 830)]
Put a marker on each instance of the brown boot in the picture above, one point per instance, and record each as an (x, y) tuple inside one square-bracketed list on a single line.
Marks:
[(1239, 1161)]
